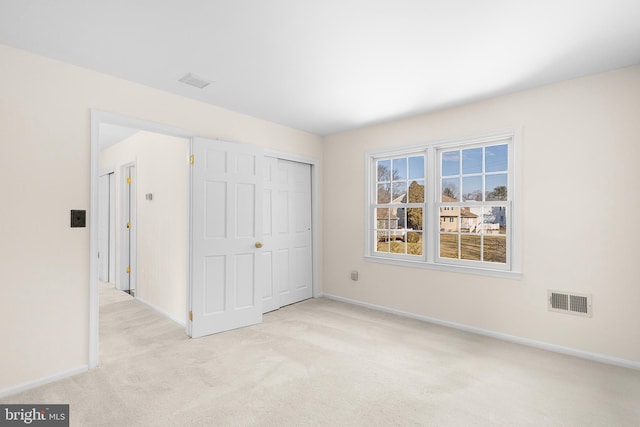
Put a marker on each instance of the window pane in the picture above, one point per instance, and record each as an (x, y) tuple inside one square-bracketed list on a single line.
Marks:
[(414, 243), (450, 190), (384, 170), (496, 158), (495, 249), (384, 193), (416, 192), (402, 217), (470, 247), (399, 192), (495, 220), (472, 161), (382, 243), (449, 219), (416, 167), (470, 219), (449, 246), (450, 163), (399, 169), (398, 247), (472, 188), (496, 186), (382, 218), (414, 218)]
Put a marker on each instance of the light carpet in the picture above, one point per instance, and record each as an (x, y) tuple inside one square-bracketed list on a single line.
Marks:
[(327, 363)]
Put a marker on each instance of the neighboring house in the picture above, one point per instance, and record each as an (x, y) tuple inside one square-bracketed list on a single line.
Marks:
[(498, 216), (391, 220), (470, 222)]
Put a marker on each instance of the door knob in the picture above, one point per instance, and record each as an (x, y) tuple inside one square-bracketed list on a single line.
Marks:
[(258, 245)]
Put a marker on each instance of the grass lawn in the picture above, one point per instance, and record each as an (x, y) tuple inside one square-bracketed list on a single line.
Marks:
[(400, 247), (494, 250), (495, 247)]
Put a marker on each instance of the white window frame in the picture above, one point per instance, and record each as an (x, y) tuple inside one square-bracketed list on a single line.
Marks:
[(431, 217)]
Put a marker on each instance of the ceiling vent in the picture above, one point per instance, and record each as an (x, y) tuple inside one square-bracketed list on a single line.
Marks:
[(195, 81), (570, 303)]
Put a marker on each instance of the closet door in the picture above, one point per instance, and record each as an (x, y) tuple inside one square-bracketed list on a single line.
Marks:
[(288, 249)]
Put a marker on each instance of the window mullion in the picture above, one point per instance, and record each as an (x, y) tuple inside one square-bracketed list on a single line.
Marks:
[(430, 217)]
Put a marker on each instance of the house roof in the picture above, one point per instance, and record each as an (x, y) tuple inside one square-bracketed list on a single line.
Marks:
[(465, 212), (399, 199), (386, 213)]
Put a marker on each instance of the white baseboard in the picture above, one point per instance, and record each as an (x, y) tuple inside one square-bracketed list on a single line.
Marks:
[(181, 322), (42, 381), (602, 358)]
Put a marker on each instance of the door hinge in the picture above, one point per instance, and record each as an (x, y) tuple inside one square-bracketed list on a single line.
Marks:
[(128, 270), (192, 159), (128, 180), (191, 316)]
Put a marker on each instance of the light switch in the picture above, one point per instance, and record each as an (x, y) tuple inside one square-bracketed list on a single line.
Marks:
[(78, 219)]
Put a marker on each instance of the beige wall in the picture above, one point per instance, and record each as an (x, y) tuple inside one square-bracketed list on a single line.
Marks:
[(581, 155), (162, 224), (44, 173)]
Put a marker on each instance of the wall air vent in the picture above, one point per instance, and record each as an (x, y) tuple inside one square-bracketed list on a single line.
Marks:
[(196, 81), (570, 303)]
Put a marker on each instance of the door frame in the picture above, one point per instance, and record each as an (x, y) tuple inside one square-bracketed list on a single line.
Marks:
[(111, 231), (128, 243), (98, 117), (101, 117)]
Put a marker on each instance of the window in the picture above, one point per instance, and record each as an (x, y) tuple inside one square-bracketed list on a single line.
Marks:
[(474, 189), (399, 207), (447, 205)]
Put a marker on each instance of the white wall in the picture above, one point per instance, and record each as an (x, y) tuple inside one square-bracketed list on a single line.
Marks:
[(581, 167), (44, 173), (162, 224)]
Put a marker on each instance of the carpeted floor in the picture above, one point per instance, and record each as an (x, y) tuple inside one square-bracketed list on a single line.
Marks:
[(323, 362)]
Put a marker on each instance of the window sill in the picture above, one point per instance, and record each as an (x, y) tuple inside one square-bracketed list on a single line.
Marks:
[(445, 267)]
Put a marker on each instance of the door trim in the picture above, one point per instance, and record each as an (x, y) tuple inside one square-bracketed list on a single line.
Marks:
[(111, 231), (128, 243)]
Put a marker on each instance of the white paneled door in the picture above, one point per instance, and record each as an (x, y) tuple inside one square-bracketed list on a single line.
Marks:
[(226, 236), (287, 255)]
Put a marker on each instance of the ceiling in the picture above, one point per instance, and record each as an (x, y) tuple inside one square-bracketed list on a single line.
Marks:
[(328, 66)]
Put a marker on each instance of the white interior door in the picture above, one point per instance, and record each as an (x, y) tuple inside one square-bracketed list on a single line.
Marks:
[(288, 255), (226, 234)]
